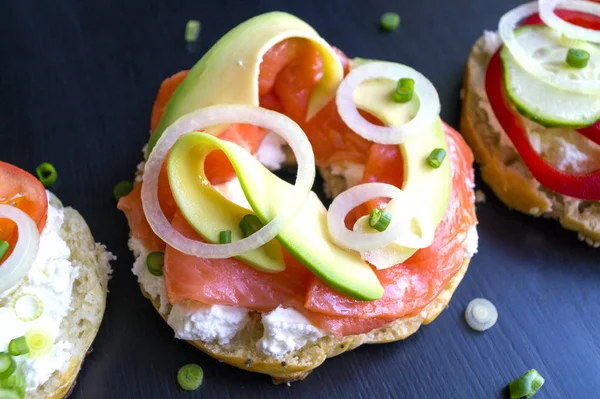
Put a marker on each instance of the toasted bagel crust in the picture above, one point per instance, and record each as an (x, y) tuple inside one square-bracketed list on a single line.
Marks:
[(508, 177), (88, 300), (295, 366)]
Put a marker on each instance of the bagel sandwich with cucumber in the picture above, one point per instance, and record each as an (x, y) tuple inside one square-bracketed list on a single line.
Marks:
[(257, 271), (53, 286), (531, 112)]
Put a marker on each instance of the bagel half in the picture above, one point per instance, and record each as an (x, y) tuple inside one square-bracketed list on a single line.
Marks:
[(242, 350), (88, 300), (501, 166)]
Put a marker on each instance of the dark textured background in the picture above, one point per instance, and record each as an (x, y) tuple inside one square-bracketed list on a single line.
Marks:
[(77, 82)]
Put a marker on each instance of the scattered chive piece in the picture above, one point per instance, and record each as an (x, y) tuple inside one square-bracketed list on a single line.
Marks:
[(4, 247), (192, 30), (389, 21), (190, 377), (46, 173), (122, 189), (404, 90), (27, 307), (7, 365), (526, 386), (39, 342), (155, 261), (577, 58), (13, 386), (436, 158), (18, 346), (225, 237), (379, 219), (250, 224)]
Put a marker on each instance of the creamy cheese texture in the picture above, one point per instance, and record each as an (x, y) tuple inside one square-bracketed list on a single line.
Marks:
[(472, 242), (210, 323), (351, 171), (153, 285), (51, 279), (286, 330), (270, 152), (565, 149)]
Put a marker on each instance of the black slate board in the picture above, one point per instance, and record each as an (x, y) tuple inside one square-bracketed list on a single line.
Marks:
[(77, 84)]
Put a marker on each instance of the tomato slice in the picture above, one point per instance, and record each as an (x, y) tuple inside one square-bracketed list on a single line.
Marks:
[(22, 190)]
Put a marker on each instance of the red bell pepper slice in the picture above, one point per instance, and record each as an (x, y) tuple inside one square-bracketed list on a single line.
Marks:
[(585, 187), (579, 186)]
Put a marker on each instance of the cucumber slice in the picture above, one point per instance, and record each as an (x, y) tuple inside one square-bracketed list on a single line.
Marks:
[(540, 101)]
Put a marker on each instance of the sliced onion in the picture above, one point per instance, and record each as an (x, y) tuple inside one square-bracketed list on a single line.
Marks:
[(228, 114), (14, 269), (572, 31), (353, 197), (506, 29), (428, 111), (481, 314)]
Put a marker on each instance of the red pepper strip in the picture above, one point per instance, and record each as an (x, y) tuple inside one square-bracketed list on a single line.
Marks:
[(585, 187), (584, 20)]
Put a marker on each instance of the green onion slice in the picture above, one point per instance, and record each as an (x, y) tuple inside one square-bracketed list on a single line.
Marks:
[(190, 377), (46, 173), (4, 247), (577, 58), (27, 307), (122, 189), (40, 343), (225, 237), (436, 158), (12, 387), (192, 30), (7, 365), (18, 346), (405, 90), (379, 219), (389, 21), (526, 386), (250, 224), (155, 261), (481, 314)]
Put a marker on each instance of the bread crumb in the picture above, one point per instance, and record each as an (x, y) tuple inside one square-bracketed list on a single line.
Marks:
[(480, 197)]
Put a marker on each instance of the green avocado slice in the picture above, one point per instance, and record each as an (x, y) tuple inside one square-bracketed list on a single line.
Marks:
[(306, 237), (205, 209), (228, 73), (427, 188)]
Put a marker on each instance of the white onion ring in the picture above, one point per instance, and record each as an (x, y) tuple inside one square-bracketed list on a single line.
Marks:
[(429, 108), (506, 28), (228, 114), (570, 30), (351, 198), (15, 267)]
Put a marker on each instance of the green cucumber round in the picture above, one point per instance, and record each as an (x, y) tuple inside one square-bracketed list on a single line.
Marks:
[(540, 101)]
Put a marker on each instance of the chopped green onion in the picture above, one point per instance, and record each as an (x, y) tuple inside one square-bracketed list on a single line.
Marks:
[(404, 90), (122, 189), (481, 314), (27, 307), (39, 342), (389, 21), (4, 247), (250, 224), (225, 237), (7, 365), (46, 173), (526, 386), (436, 158), (12, 387), (379, 219), (18, 346), (192, 30), (190, 377), (155, 261), (577, 58)]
